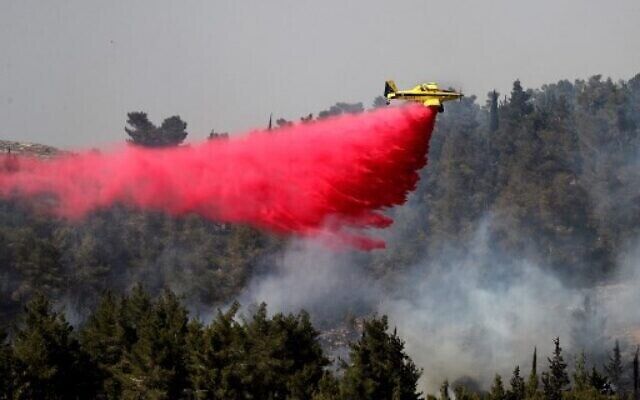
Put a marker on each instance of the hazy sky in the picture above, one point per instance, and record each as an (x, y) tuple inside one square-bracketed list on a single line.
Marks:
[(70, 70)]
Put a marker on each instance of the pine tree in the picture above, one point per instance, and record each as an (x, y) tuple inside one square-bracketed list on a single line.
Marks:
[(497, 389), (614, 368), (143, 132), (532, 383), (461, 392), (303, 355), (341, 108), (38, 261), (580, 375), (173, 131), (494, 121), (517, 391), (286, 359), (379, 368), (217, 355), (141, 129), (597, 381), (103, 338), (519, 103), (556, 379), (49, 361), (283, 123), (135, 309), (156, 366), (262, 366), (213, 135)]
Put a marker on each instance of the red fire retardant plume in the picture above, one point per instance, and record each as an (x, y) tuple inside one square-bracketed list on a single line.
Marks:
[(329, 178)]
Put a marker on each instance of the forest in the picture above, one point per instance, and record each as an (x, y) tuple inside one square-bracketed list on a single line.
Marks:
[(134, 346), (554, 168)]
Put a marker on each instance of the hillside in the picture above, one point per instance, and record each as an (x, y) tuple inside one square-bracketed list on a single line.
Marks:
[(523, 227), (552, 170), (29, 149)]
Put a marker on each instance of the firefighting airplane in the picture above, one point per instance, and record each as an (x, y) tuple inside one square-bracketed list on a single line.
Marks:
[(427, 93)]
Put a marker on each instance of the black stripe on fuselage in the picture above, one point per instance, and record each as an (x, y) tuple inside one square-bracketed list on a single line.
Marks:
[(424, 95)]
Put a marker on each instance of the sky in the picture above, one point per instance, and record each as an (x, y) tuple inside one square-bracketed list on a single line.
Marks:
[(71, 70)]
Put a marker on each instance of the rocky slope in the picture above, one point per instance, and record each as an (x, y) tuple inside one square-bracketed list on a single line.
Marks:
[(29, 149)]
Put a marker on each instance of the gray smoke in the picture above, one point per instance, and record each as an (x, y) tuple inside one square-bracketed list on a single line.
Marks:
[(469, 313), (329, 285)]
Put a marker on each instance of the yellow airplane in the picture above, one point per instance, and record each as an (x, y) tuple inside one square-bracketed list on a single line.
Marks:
[(427, 93)]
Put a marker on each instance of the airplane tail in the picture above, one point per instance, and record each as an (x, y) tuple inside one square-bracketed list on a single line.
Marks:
[(390, 87)]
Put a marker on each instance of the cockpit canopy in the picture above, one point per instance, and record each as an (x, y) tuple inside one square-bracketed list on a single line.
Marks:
[(429, 86)]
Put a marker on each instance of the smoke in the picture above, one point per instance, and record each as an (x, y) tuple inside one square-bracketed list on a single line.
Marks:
[(329, 285), (329, 179), (470, 310), (475, 313), (468, 313)]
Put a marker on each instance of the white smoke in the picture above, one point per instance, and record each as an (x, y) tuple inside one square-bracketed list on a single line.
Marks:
[(471, 313), (476, 314), (309, 276)]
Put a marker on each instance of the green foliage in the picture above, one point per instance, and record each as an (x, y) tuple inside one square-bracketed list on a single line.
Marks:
[(492, 105), (379, 368), (556, 173), (532, 381), (518, 388), (143, 132), (328, 388), (136, 346), (285, 356), (48, 361), (598, 381), (556, 379), (614, 367), (586, 386), (156, 364), (580, 375), (554, 168), (590, 394), (104, 339), (497, 389), (206, 262), (519, 104), (216, 354), (463, 393), (37, 261), (341, 108)]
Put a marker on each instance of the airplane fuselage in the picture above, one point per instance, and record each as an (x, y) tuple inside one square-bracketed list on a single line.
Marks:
[(428, 94)]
